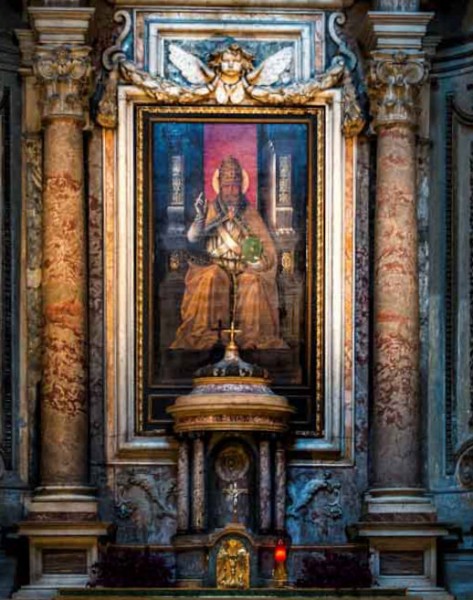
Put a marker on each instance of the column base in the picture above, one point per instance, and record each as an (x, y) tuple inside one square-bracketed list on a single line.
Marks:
[(53, 501), (402, 529), (63, 534)]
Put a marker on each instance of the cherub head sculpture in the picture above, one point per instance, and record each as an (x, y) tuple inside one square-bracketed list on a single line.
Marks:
[(232, 62)]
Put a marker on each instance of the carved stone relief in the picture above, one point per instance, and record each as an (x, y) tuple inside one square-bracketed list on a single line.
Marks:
[(303, 492), (64, 72), (145, 505), (394, 86), (464, 469), (314, 504), (230, 76)]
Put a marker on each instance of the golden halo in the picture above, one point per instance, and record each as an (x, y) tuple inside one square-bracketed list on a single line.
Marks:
[(245, 184)]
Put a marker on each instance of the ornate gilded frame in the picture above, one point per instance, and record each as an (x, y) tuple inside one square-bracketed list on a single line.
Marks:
[(334, 445), (314, 118)]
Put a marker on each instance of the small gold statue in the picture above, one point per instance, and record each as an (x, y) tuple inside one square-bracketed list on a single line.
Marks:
[(233, 565)]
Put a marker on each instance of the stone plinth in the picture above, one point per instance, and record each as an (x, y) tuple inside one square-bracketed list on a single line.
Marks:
[(61, 554)]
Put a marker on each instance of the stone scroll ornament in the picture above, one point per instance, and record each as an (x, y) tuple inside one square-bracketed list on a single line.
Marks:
[(228, 77)]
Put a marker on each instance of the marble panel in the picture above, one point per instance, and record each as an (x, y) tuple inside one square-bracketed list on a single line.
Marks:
[(95, 296), (322, 503), (145, 504)]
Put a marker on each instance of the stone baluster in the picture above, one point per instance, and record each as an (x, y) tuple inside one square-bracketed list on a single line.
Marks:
[(265, 484), (183, 486), (280, 487), (198, 485)]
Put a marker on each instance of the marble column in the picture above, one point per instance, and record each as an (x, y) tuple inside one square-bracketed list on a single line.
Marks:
[(183, 486), (280, 487), (63, 72), (395, 83), (198, 484), (265, 484), (62, 517)]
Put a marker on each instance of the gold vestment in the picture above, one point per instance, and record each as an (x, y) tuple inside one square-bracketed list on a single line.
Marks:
[(206, 301)]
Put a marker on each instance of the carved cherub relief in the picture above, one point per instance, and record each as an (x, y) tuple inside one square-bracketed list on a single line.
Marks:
[(230, 77)]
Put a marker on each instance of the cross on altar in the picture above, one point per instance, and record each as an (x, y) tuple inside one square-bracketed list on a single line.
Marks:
[(232, 331), (234, 492), (231, 349)]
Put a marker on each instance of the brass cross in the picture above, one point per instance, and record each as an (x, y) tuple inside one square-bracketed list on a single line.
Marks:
[(231, 349), (232, 331), (234, 492)]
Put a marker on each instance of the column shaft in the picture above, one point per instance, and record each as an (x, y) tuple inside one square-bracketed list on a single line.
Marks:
[(280, 487), (396, 311), (265, 485), (64, 423), (198, 484), (183, 486)]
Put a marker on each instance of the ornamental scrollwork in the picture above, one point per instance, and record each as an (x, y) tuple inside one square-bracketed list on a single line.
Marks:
[(228, 77), (394, 86), (464, 470), (339, 19), (64, 74)]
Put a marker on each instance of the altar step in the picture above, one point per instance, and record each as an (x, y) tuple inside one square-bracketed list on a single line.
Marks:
[(216, 594)]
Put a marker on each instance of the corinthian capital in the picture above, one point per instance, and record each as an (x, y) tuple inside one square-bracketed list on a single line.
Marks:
[(64, 75), (394, 86)]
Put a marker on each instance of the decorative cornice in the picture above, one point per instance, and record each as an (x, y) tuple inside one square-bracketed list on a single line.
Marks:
[(206, 84), (57, 26), (394, 86), (391, 31), (64, 75), (255, 4)]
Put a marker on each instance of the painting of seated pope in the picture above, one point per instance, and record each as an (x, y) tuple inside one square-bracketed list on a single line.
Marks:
[(232, 270)]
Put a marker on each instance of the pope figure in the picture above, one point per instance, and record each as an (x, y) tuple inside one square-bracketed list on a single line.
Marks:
[(233, 240)]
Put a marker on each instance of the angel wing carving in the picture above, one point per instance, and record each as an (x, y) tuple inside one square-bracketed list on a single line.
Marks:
[(272, 68), (191, 67)]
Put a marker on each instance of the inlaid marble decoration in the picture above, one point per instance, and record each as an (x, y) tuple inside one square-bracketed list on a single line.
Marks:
[(95, 295)]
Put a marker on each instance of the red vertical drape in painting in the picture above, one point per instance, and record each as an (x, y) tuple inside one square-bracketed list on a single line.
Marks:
[(235, 139)]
